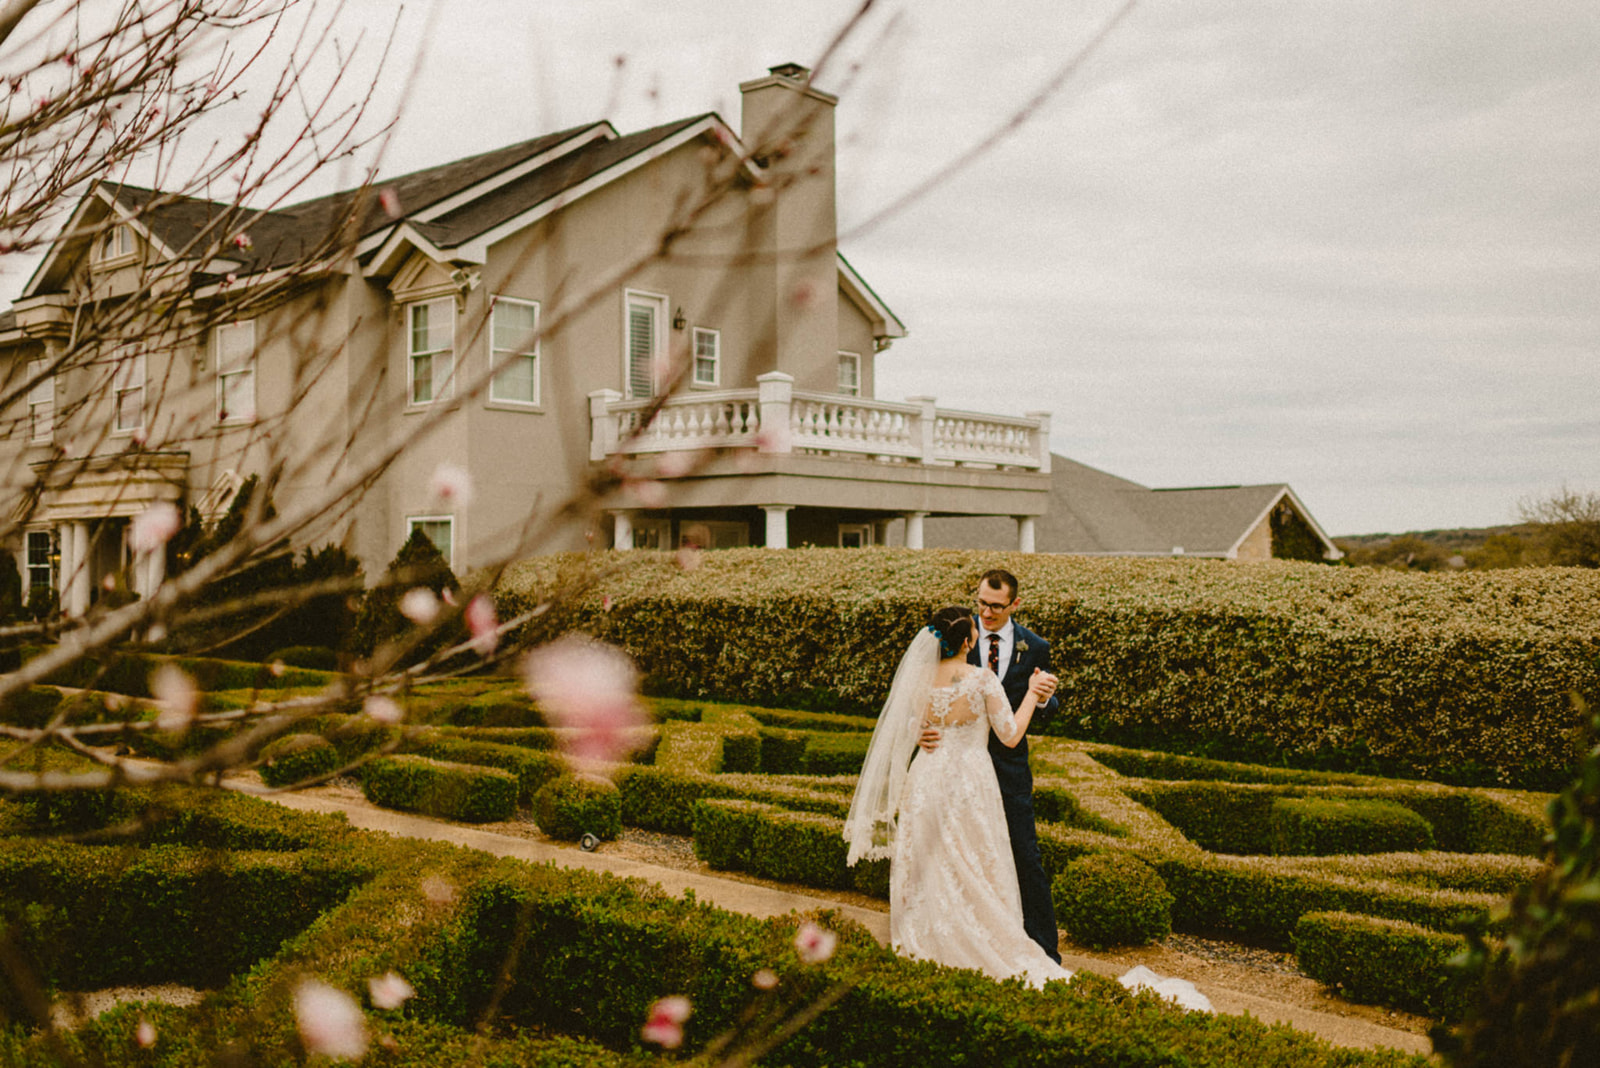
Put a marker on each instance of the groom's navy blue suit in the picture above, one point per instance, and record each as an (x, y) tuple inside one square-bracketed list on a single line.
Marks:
[(1028, 651)]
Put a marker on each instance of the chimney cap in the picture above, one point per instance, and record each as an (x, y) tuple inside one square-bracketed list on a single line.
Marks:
[(791, 70)]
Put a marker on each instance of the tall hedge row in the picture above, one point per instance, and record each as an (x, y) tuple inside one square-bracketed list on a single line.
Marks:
[(1459, 677)]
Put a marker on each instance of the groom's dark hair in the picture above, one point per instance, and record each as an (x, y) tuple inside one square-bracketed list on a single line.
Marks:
[(1000, 578), (953, 626)]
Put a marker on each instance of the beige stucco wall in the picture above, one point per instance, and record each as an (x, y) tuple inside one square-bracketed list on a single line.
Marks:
[(1257, 545)]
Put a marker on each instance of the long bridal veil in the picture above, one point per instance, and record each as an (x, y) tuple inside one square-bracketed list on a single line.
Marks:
[(870, 826)]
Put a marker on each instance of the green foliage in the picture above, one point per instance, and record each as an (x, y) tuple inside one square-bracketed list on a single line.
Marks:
[(741, 751), (1052, 804), (43, 603), (129, 673), (571, 806), (436, 788), (532, 767), (836, 754), (1457, 677), (1292, 536), (32, 707), (1112, 899), (1383, 962), (297, 758), (783, 752), (1538, 1001), (1320, 827), (418, 563), (315, 657), (660, 799), (10, 593), (1568, 525)]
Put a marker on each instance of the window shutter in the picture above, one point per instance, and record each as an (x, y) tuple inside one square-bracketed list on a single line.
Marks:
[(641, 350)]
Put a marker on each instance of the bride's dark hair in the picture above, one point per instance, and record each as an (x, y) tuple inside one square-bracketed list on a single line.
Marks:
[(952, 626)]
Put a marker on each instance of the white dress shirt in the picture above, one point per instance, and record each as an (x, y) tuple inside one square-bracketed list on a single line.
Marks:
[(1008, 637)]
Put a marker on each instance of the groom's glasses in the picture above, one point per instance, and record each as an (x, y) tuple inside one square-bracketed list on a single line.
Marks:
[(992, 606)]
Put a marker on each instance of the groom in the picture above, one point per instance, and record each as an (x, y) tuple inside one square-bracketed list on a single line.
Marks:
[(1012, 651)]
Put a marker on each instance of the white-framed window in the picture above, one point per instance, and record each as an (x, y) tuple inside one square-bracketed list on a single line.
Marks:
[(41, 402), (430, 349), (514, 351), (644, 343), (652, 534), (850, 374), (713, 534), (855, 535), (439, 529), (41, 559), (114, 244), (236, 371), (127, 390), (707, 356)]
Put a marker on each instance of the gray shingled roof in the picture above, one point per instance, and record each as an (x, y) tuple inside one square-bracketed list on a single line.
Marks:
[(1092, 511)]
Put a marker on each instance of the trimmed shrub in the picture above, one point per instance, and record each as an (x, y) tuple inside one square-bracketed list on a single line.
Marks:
[(801, 847), (31, 707), (783, 752), (570, 806), (435, 788), (418, 563), (1383, 962), (1459, 677), (297, 758), (1112, 899), (836, 754), (741, 751), (724, 829), (657, 799), (1146, 764), (533, 768), (1320, 827), (315, 657), (1053, 804)]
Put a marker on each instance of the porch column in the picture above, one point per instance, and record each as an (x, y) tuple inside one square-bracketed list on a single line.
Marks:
[(1042, 442), (155, 571), (621, 529), (880, 531), (75, 602), (922, 436), (65, 560), (777, 525), (914, 529), (1024, 533), (775, 393)]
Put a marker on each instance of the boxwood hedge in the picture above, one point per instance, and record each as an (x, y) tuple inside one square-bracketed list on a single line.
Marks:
[(1460, 677), (463, 792), (1384, 962)]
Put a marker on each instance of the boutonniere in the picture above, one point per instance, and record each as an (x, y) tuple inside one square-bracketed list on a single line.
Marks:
[(1022, 647)]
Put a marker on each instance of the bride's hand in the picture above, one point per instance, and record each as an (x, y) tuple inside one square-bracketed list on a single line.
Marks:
[(1042, 684), (931, 737)]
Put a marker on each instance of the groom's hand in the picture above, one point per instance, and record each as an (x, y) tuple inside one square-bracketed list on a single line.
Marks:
[(931, 737), (1043, 684)]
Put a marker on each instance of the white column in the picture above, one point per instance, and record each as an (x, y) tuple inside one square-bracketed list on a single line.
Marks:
[(155, 571), (602, 423), (775, 392), (1042, 442), (76, 601), (777, 525), (914, 529), (621, 529), (1024, 533), (922, 436), (65, 546), (880, 531)]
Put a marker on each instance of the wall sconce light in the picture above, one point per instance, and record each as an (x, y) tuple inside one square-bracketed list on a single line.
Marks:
[(678, 321)]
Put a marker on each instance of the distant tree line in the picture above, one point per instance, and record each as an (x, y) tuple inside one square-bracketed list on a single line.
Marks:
[(1558, 530)]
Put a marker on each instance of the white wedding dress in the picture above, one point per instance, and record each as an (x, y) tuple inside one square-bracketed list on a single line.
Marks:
[(953, 894)]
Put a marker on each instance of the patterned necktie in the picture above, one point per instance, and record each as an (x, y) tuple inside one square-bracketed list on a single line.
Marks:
[(994, 653)]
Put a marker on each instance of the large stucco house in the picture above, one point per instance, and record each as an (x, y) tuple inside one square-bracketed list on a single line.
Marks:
[(459, 274)]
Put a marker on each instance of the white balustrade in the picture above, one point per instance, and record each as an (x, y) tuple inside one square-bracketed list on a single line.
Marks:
[(729, 419)]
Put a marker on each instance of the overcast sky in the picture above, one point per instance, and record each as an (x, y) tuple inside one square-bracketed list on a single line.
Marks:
[(1350, 246)]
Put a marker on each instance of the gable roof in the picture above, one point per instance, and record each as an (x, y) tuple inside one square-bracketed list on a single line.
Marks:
[(1094, 512)]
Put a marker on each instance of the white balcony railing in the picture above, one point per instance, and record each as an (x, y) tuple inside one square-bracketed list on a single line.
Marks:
[(775, 418)]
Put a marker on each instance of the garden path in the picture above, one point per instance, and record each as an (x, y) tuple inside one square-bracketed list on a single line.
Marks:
[(754, 899)]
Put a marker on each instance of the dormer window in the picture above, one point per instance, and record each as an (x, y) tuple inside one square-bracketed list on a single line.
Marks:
[(115, 244)]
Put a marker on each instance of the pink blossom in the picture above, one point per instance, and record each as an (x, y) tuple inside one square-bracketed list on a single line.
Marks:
[(329, 1020), (438, 890), (154, 527), (389, 990), (590, 687), (145, 1034), (389, 201), (814, 944), (665, 1025), (688, 558), (228, 279), (420, 605), (606, 603), (803, 295), (482, 624), (242, 241), (277, 668), (139, 437), (448, 596), (176, 696), (451, 483), (674, 464), (765, 979), (385, 710)]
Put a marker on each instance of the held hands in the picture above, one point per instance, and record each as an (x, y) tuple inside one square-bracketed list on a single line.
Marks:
[(931, 737), (1042, 684)]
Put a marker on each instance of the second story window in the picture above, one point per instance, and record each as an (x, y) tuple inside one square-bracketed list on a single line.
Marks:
[(707, 357), (430, 349), (236, 372), (644, 343), (514, 351), (127, 391), (41, 402), (849, 374)]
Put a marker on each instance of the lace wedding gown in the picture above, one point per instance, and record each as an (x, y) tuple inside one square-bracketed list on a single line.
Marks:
[(953, 895)]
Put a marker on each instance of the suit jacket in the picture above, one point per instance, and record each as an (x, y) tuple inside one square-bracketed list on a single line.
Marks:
[(1028, 651)]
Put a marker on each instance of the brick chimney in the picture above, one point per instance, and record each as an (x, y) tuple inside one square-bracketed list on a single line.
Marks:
[(788, 125)]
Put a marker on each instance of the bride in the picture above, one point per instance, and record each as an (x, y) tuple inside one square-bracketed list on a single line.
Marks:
[(953, 894)]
